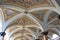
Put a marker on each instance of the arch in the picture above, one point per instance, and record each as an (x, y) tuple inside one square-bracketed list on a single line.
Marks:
[(19, 16), (52, 20), (6, 24), (30, 10), (37, 21), (45, 8), (30, 34), (45, 23), (1, 19), (12, 7), (21, 29), (35, 9), (24, 35), (40, 22), (45, 19), (41, 8), (55, 9), (55, 3)]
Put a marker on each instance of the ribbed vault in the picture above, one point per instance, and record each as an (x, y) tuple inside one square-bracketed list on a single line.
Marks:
[(28, 19)]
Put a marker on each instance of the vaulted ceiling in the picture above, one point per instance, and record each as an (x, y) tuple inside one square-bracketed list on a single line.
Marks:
[(28, 24)]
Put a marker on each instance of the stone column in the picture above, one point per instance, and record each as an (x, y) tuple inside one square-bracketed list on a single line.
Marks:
[(2, 34), (45, 33)]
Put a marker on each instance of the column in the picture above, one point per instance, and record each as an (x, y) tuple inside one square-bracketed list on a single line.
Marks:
[(2, 34), (45, 33)]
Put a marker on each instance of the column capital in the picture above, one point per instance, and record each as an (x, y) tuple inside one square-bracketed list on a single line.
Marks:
[(2, 33), (45, 33), (36, 39)]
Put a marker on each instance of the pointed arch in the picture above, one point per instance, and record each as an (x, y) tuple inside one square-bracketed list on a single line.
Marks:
[(17, 17), (1, 19), (12, 7), (46, 23), (56, 9), (21, 29), (6, 24), (55, 3), (20, 35), (37, 21)]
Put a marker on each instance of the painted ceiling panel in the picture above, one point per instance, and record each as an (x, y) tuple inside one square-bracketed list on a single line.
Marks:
[(26, 4), (39, 14), (9, 13), (52, 16), (24, 21)]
